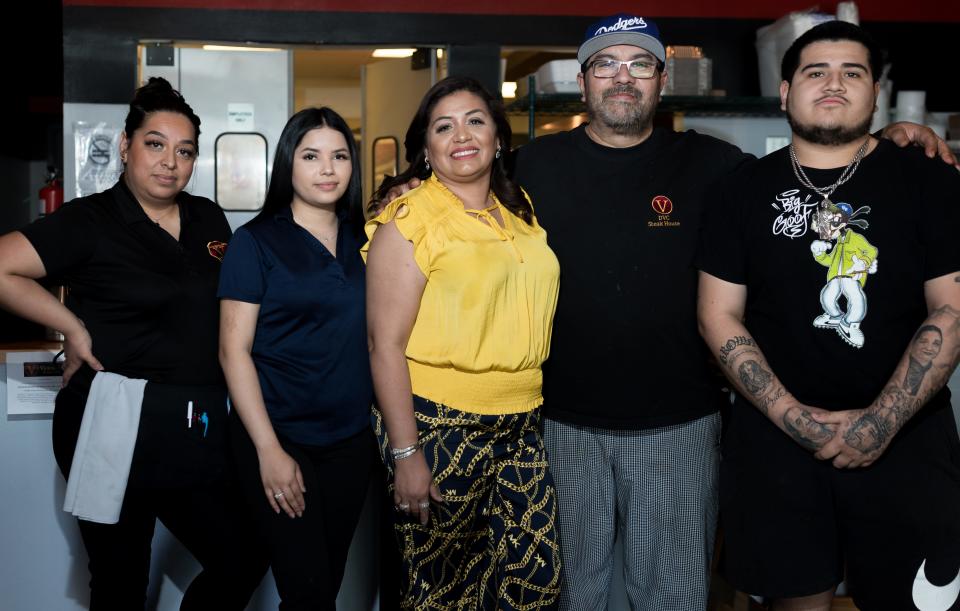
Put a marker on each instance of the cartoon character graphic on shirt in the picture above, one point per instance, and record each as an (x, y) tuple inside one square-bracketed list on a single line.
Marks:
[(849, 259)]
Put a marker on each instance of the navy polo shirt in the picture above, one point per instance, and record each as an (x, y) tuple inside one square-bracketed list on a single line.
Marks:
[(310, 347)]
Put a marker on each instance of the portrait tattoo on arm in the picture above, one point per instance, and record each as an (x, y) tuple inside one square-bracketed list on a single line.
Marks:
[(868, 433), (806, 431), (914, 376), (924, 348), (754, 377)]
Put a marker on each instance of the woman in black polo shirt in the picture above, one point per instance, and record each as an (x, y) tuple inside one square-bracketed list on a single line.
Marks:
[(141, 261), (294, 350)]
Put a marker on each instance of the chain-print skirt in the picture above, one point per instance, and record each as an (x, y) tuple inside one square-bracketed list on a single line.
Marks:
[(492, 544)]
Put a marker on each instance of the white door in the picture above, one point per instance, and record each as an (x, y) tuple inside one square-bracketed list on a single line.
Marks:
[(391, 95), (233, 92)]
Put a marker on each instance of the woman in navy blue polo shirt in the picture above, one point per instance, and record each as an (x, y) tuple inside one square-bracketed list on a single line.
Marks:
[(293, 348)]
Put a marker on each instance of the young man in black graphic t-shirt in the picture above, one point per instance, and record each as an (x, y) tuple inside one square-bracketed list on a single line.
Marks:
[(830, 294)]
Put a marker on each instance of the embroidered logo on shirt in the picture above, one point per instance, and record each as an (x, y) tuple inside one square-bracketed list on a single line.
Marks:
[(217, 249), (662, 206)]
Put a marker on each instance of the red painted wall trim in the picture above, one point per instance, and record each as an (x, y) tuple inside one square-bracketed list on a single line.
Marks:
[(870, 10)]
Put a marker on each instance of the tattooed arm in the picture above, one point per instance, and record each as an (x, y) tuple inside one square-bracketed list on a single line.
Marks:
[(720, 314), (924, 369)]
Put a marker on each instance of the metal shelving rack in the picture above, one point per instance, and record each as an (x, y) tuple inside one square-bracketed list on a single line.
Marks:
[(700, 106)]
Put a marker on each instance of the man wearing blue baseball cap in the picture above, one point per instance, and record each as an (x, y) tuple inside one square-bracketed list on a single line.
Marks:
[(631, 406)]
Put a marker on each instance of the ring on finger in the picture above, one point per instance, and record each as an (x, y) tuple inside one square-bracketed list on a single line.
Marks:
[(404, 506), (278, 495), (424, 504)]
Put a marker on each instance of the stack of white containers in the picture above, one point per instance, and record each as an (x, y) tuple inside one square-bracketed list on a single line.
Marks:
[(911, 106), (558, 76), (773, 40)]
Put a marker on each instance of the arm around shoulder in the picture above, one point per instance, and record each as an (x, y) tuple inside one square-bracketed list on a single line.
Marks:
[(904, 133)]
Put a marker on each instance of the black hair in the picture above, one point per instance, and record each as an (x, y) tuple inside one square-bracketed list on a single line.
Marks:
[(280, 191), (158, 95), (507, 191), (926, 328), (832, 30)]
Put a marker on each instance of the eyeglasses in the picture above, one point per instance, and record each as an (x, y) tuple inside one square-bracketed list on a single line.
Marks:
[(637, 68)]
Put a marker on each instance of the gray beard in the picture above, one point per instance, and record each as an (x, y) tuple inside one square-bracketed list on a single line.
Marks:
[(829, 136), (632, 122)]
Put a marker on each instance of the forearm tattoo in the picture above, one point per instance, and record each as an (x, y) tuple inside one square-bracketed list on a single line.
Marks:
[(914, 377), (895, 406), (766, 402), (924, 348), (898, 403), (806, 431), (754, 377), (755, 380), (731, 344), (868, 433)]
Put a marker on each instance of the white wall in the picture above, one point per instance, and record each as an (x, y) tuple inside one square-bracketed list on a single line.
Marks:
[(391, 93), (748, 133)]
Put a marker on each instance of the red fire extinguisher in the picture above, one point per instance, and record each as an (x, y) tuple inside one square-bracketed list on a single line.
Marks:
[(51, 195), (51, 198)]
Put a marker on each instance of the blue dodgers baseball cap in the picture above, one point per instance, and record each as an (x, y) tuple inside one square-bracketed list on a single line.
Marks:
[(621, 29)]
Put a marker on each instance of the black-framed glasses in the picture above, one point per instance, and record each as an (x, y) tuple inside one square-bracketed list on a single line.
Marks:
[(637, 68)]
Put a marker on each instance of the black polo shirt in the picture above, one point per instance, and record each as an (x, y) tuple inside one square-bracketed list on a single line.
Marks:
[(310, 347), (148, 300)]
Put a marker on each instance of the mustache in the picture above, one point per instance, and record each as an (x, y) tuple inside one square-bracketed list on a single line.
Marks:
[(622, 88), (833, 95)]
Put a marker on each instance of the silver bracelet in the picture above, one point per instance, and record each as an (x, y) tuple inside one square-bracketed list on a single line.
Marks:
[(410, 452), (401, 453)]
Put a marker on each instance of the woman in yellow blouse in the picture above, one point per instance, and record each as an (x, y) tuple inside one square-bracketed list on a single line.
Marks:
[(461, 291)]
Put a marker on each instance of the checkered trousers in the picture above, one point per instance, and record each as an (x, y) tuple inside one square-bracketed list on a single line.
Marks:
[(657, 489)]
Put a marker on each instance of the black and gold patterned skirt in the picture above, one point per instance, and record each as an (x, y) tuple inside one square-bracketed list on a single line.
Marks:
[(492, 544)]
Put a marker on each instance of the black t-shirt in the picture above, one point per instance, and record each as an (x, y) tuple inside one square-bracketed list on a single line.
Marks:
[(148, 301), (834, 313), (626, 353)]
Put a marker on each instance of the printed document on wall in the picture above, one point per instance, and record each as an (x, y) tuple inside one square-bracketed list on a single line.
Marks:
[(33, 381)]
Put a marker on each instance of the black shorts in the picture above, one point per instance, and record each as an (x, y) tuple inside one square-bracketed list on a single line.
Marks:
[(796, 526)]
